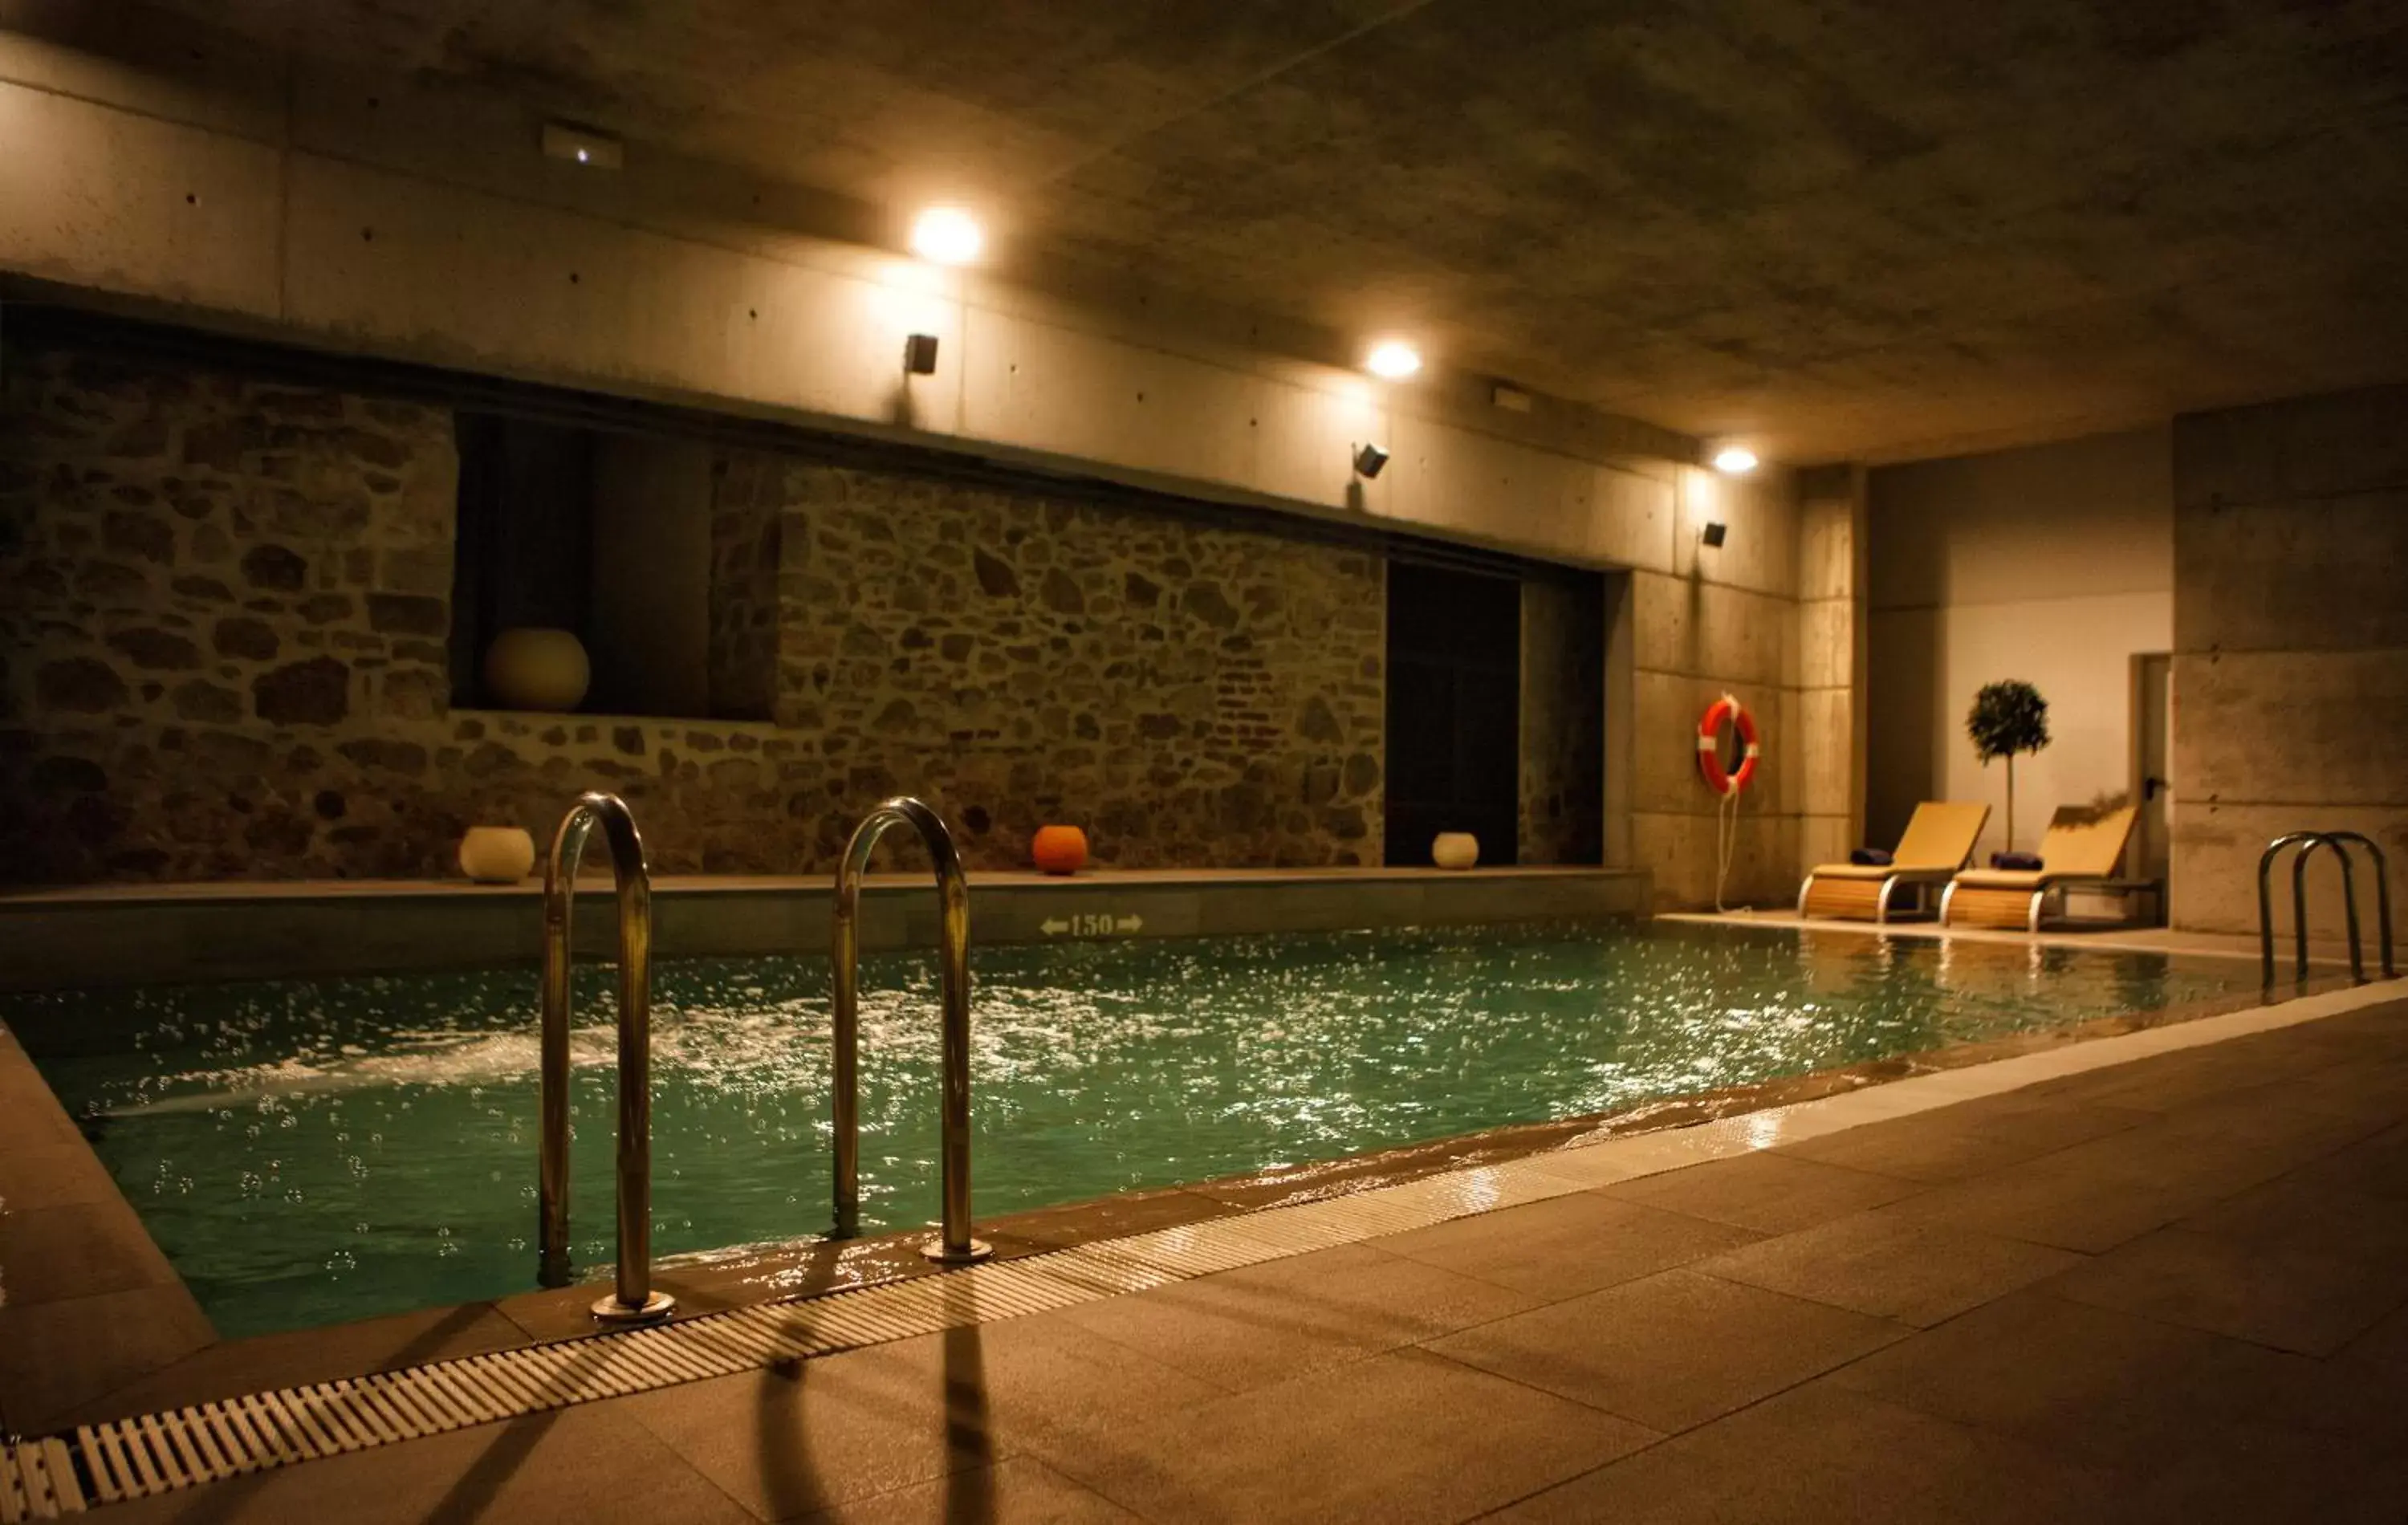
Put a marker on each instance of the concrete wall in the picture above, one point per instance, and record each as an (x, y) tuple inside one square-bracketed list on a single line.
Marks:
[(1833, 630), (2053, 564), (1723, 619), (2291, 642), (238, 190), (380, 216)]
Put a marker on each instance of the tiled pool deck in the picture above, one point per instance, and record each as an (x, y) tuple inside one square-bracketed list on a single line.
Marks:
[(2172, 1287)]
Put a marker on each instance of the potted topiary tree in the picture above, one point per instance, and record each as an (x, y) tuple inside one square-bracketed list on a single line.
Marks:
[(2008, 717)]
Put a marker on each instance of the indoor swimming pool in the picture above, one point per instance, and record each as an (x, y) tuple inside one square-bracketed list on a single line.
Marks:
[(307, 1152)]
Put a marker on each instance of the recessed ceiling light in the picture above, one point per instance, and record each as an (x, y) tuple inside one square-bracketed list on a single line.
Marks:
[(581, 145), (1734, 460), (947, 236), (1393, 360)]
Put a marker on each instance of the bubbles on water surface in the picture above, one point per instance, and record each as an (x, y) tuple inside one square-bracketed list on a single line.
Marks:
[(1096, 1066)]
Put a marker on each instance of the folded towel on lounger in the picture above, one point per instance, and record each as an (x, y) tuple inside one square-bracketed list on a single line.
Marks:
[(2020, 862), (1873, 857)]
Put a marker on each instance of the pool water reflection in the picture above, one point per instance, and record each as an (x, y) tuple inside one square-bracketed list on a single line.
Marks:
[(312, 1151)]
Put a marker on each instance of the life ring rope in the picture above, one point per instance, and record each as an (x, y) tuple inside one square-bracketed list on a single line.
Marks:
[(1726, 709)]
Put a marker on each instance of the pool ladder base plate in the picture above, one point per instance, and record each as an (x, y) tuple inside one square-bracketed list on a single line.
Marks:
[(977, 1250), (656, 1305)]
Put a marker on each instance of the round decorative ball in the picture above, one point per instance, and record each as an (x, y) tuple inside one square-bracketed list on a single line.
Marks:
[(496, 854), (1454, 850), (532, 667), (1059, 849)]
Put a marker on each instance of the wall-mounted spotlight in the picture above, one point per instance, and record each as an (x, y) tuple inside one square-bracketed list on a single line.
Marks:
[(1393, 360), (920, 355), (947, 236), (1734, 460), (1368, 460), (1714, 532), (581, 146)]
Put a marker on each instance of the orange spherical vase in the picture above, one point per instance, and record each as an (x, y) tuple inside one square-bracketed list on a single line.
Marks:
[(1059, 849)]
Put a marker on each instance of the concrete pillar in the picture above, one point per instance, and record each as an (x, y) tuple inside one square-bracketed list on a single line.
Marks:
[(1831, 659)]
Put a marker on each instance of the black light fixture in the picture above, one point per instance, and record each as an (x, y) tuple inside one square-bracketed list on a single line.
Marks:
[(920, 355), (1714, 532), (1368, 460)]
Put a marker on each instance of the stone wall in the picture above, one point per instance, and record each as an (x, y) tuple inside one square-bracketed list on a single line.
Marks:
[(226, 658), (2290, 670), (747, 500), (1191, 695), (225, 632)]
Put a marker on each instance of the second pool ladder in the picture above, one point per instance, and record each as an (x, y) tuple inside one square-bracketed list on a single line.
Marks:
[(954, 1244), (633, 1297)]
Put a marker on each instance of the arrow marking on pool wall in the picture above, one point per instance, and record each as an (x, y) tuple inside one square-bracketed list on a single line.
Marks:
[(1130, 924), (1052, 928)]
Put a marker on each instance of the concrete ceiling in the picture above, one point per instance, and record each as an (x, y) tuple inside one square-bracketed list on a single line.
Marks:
[(1863, 229)]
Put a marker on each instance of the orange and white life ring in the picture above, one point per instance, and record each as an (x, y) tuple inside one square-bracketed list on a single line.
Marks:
[(1709, 746)]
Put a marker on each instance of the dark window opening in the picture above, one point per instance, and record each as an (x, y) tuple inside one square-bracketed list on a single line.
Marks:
[(1563, 718), (1454, 647)]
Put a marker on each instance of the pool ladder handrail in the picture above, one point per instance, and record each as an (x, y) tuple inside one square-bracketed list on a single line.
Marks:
[(633, 1299), (2308, 842), (954, 1245)]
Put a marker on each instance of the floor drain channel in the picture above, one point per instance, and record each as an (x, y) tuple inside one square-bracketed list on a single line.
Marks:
[(160, 1453)]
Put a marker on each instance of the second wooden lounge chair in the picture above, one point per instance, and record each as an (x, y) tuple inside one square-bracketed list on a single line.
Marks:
[(1937, 841), (2083, 844)]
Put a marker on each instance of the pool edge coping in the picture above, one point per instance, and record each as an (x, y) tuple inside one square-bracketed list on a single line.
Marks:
[(170, 1450), (714, 1282), (808, 1268)]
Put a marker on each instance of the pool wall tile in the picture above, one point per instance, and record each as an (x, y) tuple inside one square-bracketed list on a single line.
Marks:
[(223, 932)]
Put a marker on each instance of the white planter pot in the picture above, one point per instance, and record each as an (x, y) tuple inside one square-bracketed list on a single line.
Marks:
[(496, 854), (1454, 850), (537, 668)]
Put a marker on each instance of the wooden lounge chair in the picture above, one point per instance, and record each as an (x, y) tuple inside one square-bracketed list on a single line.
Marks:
[(2083, 847), (1937, 841)]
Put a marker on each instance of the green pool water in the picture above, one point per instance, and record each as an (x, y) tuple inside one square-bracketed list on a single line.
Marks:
[(312, 1151)]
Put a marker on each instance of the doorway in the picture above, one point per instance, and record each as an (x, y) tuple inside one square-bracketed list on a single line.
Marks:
[(2151, 854), (1455, 691)]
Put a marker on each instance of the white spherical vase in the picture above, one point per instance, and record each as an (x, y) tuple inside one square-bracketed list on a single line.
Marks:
[(496, 854), (532, 667), (1454, 850)]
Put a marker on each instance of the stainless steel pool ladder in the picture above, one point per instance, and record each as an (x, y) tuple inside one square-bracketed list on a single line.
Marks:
[(634, 1300), (954, 1245), (2308, 842)]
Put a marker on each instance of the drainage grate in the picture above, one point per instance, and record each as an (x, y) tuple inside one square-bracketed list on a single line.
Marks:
[(37, 1481), (160, 1453)]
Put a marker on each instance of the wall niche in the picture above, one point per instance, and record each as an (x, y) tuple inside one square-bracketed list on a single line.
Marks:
[(624, 540)]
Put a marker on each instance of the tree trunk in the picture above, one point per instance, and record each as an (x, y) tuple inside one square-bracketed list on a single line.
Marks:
[(2010, 802)]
